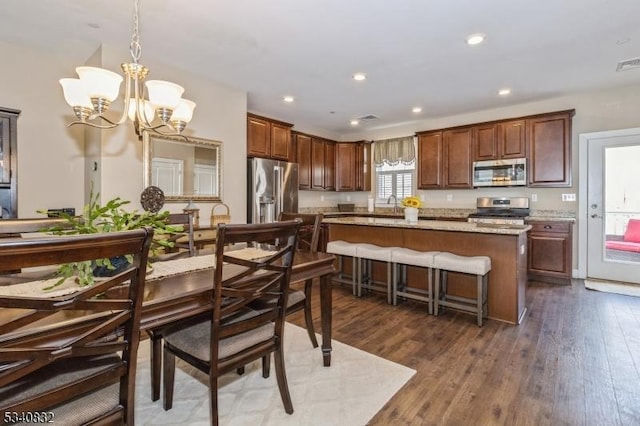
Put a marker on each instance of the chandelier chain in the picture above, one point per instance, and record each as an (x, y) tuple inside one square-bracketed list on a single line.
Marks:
[(134, 47)]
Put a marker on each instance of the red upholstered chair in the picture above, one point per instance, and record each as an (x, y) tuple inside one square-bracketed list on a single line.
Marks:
[(630, 240)]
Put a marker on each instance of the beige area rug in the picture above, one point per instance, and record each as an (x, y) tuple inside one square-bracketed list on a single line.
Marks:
[(627, 289), (350, 392)]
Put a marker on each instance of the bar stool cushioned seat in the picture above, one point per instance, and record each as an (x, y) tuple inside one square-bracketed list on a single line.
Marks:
[(473, 265), (401, 257), (345, 248), (368, 252)]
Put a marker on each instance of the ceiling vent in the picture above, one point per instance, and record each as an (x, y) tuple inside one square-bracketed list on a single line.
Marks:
[(368, 117), (628, 64)]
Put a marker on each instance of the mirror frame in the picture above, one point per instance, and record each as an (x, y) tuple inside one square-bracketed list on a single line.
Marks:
[(148, 138)]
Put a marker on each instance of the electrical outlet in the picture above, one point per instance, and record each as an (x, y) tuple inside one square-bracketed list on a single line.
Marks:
[(449, 197), (568, 197), (322, 198), (534, 198), (348, 197)]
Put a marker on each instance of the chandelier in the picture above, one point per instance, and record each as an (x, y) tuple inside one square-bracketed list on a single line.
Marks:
[(92, 93)]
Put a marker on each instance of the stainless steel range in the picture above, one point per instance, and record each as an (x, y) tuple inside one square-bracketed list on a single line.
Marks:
[(500, 210)]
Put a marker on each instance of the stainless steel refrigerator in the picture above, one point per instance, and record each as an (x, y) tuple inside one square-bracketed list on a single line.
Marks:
[(272, 187)]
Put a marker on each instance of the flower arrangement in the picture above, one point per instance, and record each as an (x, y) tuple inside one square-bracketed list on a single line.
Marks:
[(413, 201)]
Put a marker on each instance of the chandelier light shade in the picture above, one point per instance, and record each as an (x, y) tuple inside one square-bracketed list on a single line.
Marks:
[(92, 93)]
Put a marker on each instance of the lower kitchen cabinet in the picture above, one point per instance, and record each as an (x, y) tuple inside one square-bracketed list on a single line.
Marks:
[(550, 251)]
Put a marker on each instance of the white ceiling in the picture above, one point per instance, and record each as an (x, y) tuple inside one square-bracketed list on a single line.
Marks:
[(413, 51)]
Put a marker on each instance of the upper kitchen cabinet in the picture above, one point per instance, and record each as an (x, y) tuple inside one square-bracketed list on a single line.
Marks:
[(353, 170), (269, 138), (549, 149), (444, 158), (457, 158), (329, 165), (494, 141), (303, 157), (430, 160)]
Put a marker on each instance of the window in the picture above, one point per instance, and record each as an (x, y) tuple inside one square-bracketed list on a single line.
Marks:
[(394, 180)]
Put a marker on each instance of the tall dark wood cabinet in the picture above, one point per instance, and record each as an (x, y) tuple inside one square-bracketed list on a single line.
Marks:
[(8, 163), (303, 157), (353, 168), (549, 149), (457, 158), (430, 160)]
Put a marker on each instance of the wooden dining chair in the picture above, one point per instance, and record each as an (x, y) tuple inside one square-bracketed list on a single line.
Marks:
[(308, 239), (71, 359), (234, 334)]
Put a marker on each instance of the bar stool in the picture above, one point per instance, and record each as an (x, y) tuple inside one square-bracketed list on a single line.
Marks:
[(344, 248), (400, 258), (473, 265), (367, 253)]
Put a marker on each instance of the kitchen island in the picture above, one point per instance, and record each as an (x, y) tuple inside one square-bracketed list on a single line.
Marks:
[(506, 245)]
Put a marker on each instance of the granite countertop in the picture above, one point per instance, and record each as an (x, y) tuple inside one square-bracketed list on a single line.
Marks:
[(436, 225), (442, 213)]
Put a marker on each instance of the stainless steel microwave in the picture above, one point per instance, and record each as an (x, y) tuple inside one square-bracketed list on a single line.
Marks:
[(509, 172)]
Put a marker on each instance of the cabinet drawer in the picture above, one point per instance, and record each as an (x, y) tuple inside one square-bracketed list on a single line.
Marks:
[(557, 227)]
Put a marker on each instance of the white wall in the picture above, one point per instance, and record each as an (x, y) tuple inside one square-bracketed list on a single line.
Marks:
[(51, 163)]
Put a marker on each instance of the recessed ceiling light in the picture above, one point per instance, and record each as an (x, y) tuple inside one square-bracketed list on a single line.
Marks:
[(417, 109), (354, 122), (288, 98), (476, 38), (504, 92), (359, 76)]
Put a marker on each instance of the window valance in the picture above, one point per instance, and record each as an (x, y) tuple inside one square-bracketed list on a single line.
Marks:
[(394, 151)]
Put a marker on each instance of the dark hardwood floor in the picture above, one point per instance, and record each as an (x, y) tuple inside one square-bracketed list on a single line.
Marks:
[(574, 360)]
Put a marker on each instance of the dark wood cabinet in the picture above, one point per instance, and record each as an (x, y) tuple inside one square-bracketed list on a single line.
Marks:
[(457, 158), (430, 160), (317, 163), (549, 149), (329, 165), (353, 170), (346, 167), (495, 141), (512, 139), (486, 142), (445, 156), (269, 138), (444, 159), (316, 159), (303, 157), (550, 251)]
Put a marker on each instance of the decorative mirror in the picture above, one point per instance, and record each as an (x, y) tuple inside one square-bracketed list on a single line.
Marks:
[(183, 169)]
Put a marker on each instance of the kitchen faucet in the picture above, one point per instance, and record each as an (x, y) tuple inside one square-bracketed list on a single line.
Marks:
[(395, 202)]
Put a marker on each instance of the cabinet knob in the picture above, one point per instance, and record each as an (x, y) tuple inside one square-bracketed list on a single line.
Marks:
[(548, 227)]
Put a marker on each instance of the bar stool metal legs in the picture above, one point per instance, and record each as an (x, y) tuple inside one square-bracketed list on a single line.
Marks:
[(474, 265)]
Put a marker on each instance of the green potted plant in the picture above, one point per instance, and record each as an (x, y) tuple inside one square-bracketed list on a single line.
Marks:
[(110, 218)]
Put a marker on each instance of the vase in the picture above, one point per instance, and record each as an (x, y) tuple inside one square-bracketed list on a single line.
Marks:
[(411, 214)]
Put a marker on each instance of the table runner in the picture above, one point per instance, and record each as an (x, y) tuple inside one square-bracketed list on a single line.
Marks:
[(159, 270)]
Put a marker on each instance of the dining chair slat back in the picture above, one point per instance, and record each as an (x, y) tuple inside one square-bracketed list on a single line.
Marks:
[(72, 356), (235, 334)]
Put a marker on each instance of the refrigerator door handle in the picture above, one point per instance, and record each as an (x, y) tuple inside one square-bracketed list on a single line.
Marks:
[(278, 184)]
